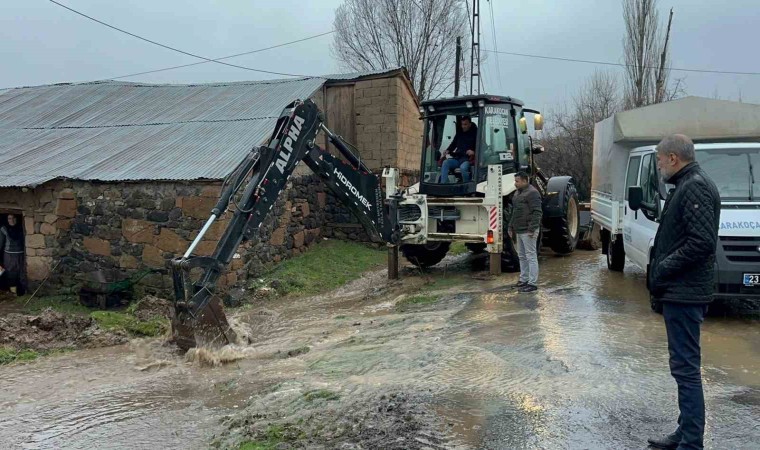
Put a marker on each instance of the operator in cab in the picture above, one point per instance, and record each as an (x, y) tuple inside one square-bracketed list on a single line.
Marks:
[(461, 153)]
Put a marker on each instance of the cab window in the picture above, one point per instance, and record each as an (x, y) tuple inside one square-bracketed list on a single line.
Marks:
[(632, 179), (650, 182)]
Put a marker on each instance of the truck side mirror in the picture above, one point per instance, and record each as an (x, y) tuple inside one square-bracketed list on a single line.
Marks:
[(635, 197), (523, 125)]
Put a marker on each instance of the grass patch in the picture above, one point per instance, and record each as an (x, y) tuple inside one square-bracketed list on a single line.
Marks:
[(321, 394), (417, 300), (111, 320), (325, 267), (61, 303), (11, 355), (457, 248), (272, 437)]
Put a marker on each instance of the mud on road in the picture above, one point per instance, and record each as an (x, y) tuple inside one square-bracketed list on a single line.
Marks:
[(449, 359)]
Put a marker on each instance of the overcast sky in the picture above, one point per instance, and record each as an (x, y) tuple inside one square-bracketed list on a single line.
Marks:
[(42, 43)]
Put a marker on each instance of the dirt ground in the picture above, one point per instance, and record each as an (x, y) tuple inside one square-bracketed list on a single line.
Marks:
[(55, 330), (450, 358), (52, 330), (150, 307), (319, 420)]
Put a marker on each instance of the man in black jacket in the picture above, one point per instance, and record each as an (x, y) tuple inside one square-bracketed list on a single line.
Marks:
[(681, 278), (461, 151)]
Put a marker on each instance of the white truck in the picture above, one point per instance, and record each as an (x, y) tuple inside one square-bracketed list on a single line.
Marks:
[(727, 144)]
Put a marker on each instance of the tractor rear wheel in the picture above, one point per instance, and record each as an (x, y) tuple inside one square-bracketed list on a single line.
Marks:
[(425, 255), (565, 230)]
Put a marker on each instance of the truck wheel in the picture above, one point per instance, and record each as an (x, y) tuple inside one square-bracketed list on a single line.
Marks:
[(564, 230), (475, 248), (425, 255), (616, 255)]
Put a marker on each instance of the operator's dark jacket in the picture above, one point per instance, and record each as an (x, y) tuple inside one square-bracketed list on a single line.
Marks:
[(463, 141), (683, 256), (526, 210)]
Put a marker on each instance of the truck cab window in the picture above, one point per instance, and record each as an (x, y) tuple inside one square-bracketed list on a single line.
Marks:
[(632, 178), (649, 180), (734, 171)]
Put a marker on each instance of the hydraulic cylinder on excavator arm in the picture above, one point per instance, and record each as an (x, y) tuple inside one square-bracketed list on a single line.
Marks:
[(199, 318)]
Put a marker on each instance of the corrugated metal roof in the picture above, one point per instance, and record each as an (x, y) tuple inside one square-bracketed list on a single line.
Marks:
[(120, 131), (114, 131)]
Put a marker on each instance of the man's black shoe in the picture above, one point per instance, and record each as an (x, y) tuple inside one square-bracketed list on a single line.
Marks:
[(668, 442), (528, 288), (519, 284)]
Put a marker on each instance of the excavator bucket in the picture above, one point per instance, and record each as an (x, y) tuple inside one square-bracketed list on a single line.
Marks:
[(208, 327), (198, 319)]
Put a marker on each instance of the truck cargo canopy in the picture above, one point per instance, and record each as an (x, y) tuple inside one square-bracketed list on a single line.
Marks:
[(702, 119)]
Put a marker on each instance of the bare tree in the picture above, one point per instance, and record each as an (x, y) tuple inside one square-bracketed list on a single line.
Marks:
[(417, 34), (646, 55), (569, 137)]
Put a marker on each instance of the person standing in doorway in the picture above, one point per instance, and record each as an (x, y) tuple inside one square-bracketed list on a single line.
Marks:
[(12, 256), (681, 279), (526, 223)]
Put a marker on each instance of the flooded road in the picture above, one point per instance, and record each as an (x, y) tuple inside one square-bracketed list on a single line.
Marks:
[(584, 364), (581, 364)]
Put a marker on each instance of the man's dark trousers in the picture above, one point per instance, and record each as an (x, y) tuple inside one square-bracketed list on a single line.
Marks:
[(682, 323)]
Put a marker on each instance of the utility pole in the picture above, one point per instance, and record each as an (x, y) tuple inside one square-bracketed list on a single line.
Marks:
[(475, 52), (456, 66)]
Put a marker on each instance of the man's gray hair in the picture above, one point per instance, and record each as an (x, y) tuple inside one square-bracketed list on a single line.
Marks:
[(678, 144)]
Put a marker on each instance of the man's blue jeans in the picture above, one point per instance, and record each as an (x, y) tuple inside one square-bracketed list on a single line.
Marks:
[(451, 164), (682, 323)]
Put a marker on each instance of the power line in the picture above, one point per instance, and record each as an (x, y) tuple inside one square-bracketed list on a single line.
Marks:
[(219, 59), (606, 63), (173, 48)]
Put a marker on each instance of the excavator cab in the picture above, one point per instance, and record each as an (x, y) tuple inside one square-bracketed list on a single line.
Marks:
[(498, 122)]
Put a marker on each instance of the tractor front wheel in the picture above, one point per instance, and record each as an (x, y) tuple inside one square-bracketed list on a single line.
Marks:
[(425, 255), (565, 229)]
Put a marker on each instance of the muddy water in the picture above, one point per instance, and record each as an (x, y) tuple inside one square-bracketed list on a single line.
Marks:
[(581, 364)]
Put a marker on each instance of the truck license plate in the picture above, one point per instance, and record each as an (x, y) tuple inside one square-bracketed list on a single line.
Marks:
[(752, 279)]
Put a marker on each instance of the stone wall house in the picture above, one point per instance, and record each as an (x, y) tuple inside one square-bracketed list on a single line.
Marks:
[(113, 179)]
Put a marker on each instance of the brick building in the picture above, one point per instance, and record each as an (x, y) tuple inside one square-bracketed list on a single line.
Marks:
[(114, 178)]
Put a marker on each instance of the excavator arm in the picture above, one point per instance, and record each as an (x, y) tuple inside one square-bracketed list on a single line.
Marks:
[(199, 319)]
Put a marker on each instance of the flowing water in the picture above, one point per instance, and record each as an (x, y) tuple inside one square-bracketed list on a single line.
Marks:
[(580, 364)]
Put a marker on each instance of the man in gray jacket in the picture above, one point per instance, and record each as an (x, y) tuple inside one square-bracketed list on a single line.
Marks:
[(526, 223)]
